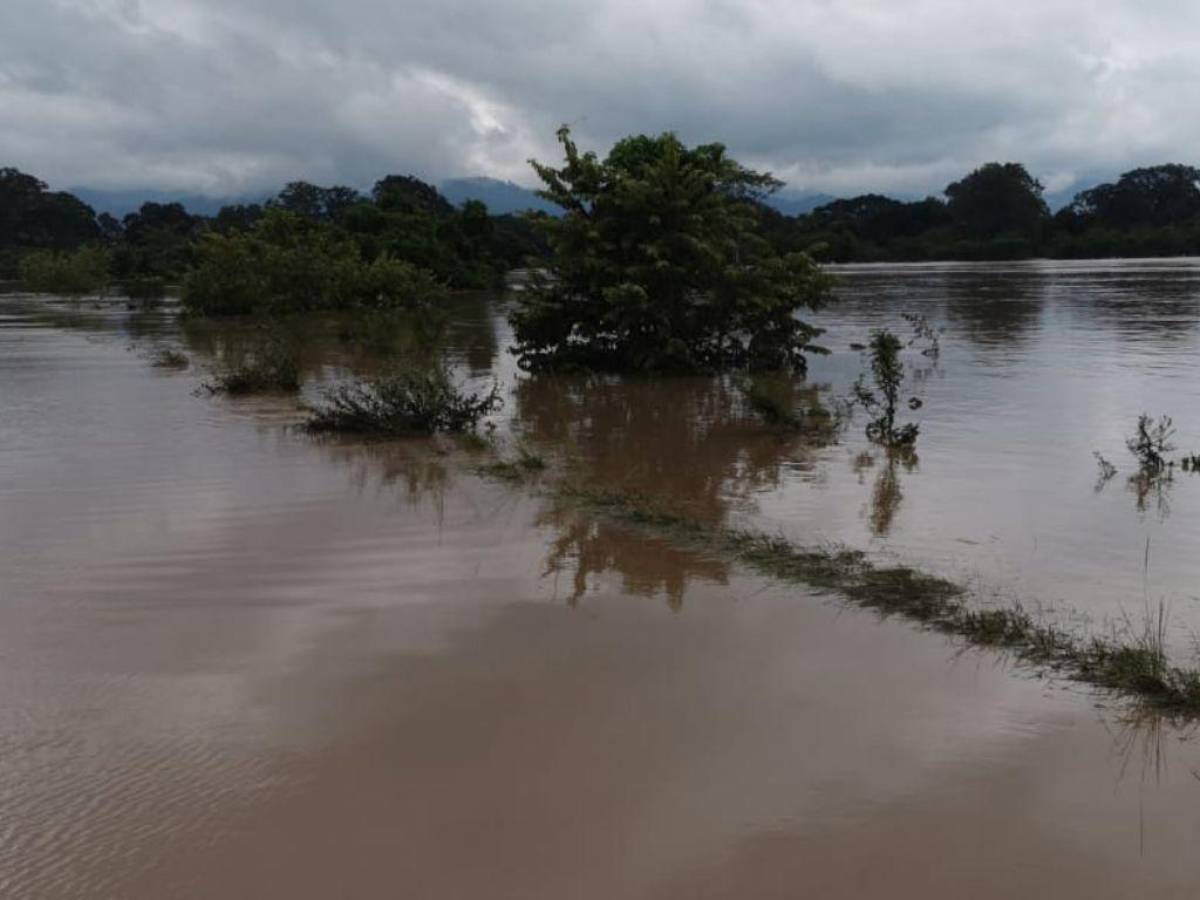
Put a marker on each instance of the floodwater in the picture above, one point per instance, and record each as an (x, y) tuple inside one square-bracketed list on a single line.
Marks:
[(236, 661)]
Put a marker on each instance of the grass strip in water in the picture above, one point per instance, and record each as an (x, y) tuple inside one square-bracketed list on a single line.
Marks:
[(1132, 665)]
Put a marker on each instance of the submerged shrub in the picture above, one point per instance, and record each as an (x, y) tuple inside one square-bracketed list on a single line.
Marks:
[(271, 367), (411, 401), (82, 271), (170, 359), (288, 263), (659, 264), (1151, 443), (146, 288), (773, 400), (882, 401)]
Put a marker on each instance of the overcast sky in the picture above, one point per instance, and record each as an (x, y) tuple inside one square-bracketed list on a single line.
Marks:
[(838, 96)]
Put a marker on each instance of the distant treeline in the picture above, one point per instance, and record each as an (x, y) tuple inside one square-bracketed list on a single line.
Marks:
[(997, 212), (402, 219)]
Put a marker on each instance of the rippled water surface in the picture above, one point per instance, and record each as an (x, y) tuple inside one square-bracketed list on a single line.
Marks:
[(239, 662)]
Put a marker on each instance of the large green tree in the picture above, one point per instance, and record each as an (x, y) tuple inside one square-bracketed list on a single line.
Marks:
[(998, 199), (658, 263), (1155, 196), (32, 217)]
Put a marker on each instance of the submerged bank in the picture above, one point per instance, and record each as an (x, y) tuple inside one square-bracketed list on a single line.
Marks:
[(1134, 666)]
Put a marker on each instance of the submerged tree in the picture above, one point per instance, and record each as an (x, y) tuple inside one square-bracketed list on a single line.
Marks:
[(658, 264), (288, 263)]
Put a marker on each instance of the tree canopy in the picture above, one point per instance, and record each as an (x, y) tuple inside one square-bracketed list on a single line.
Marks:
[(32, 217), (658, 263), (996, 199)]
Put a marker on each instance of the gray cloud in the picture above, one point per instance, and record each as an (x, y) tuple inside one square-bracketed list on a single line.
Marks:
[(222, 97)]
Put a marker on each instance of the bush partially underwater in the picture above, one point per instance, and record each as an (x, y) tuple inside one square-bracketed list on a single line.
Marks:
[(287, 263), (411, 401)]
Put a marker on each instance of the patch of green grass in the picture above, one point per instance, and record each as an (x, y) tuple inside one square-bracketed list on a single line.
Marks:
[(1135, 665)]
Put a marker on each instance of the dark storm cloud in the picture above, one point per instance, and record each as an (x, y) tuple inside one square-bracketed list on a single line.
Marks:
[(222, 97)]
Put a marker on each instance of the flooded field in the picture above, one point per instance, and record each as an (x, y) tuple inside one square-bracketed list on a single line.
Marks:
[(238, 661)]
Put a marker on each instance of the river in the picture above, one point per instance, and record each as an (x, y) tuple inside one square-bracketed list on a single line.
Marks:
[(238, 661)]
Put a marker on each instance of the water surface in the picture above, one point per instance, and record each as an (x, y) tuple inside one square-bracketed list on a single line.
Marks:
[(239, 662)]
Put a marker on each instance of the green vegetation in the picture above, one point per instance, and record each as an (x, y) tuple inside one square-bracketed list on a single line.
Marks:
[(270, 367), (773, 400), (145, 288), (1151, 443), (167, 358), (658, 264), (527, 464), (70, 273), (1130, 662), (411, 401), (287, 263), (997, 212), (404, 238), (887, 372), (675, 240), (34, 218)]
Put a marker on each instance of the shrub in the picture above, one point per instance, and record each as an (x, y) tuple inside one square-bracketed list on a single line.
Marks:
[(146, 288), (170, 359), (272, 367), (1151, 443), (287, 263), (887, 371), (658, 263), (82, 271), (412, 401)]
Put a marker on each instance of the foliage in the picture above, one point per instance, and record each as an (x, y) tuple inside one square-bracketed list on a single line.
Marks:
[(997, 199), (83, 271), (156, 241), (168, 358), (270, 367), (290, 264), (34, 218), (319, 204), (997, 213), (411, 401), (658, 264), (1151, 443), (1154, 196), (887, 372), (773, 399), (146, 288), (1107, 470)]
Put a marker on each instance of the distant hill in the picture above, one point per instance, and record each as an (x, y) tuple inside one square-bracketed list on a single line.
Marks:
[(794, 203), (500, 196), (121, 203)]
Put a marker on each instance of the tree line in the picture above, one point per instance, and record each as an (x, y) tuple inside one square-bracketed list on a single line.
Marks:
[(998, 212), (402, 219)]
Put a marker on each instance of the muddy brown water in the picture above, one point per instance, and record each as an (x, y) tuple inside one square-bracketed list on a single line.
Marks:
[(239, 662)]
